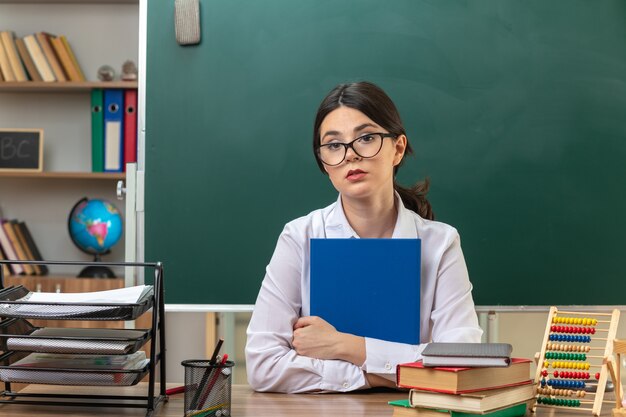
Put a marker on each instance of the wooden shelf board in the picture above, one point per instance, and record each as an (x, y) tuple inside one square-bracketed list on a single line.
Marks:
[(65, 175), (55, 87)]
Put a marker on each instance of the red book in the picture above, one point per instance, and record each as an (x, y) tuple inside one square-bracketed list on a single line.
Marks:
[(462, 380), (130, 127)]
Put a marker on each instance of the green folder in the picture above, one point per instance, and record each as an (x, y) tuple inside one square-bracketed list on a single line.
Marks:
[(97, 130), (512, 411)]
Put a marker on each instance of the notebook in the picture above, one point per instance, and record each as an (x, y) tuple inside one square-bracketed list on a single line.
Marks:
[(467, 354), (368, 287)]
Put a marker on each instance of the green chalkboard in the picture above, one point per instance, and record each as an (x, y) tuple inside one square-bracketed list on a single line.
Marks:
[(516, 110)]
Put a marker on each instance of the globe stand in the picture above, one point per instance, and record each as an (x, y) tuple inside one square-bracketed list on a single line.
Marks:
[(96, 271)]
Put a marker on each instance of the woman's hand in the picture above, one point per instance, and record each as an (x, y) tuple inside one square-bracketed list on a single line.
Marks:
[(316, 338)]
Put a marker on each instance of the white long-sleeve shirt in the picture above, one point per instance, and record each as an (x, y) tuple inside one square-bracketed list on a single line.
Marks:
[(446, 310)]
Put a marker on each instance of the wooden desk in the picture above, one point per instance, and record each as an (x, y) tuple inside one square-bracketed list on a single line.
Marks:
[(245, 403)]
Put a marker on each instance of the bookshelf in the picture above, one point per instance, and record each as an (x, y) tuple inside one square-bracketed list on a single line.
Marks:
[(65, 175), (61, 87), (100, 32)]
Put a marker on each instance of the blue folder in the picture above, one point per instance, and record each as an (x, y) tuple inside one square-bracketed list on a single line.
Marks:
[(113, 130), (368, 287)]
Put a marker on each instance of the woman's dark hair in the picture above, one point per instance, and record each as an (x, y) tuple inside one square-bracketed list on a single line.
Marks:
[(373, 102)]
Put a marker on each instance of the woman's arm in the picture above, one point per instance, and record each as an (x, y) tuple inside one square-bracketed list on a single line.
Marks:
[(272, 362)]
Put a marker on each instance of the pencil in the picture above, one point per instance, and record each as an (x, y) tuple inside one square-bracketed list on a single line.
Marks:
[(216, 374), (205, 376)]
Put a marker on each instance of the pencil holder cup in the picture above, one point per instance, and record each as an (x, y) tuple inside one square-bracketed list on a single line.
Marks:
[(207, 388)]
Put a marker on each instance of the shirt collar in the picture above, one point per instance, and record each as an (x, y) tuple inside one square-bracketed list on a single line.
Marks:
[(337, 226)]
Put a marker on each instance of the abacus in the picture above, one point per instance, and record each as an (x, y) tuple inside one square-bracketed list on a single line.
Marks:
[(619, 348), (577, 347)]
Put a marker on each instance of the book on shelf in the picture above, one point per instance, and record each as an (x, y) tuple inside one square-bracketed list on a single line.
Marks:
[(38, 57), (64, 58), (17, 246), (8, 40), (461, 380), (34, 250), (25, 248), (467, 354), (9, 252), (402, 408), (44, 41), (5, 268), (70, 52), (5, 65), (473, 402), (31, 68)]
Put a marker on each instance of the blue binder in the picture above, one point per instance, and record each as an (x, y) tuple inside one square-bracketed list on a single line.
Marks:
[(368, 287), (113, 130)]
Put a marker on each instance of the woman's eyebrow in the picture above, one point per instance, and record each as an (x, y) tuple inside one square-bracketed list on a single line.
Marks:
[(356, 129), (363, 126), (331, 133)]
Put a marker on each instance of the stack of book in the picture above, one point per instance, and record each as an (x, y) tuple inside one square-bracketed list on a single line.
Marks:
[(463, 388), (37, 57), (113, 129), (16, 243)]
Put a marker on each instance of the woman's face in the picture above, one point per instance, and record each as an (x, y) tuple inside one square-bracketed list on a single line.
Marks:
[(358, 177)]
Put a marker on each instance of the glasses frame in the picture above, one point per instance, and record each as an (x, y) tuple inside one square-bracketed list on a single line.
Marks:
[(351, 146)]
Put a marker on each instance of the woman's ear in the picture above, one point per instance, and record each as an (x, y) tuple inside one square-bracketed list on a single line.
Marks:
[(400, 146)]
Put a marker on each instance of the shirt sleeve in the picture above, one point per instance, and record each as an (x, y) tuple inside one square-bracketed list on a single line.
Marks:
[(453, 317), (271, 362)]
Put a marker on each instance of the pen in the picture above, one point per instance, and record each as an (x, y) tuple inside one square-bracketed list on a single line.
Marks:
[(176, 390), (205, 376), (217, 371)]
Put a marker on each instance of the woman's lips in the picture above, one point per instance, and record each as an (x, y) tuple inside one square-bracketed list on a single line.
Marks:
[(355, 175)]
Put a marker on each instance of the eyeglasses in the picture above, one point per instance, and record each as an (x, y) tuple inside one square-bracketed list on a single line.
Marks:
[(366, 146)]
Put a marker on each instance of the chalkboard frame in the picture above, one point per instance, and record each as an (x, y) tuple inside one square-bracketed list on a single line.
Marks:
[(39, 157), (510, 110)]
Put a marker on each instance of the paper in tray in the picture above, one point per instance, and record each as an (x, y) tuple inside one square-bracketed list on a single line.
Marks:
[(19, 302), (20, 335), (74, 377)]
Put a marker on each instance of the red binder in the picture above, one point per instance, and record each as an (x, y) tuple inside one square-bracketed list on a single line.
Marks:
[(130, 127)]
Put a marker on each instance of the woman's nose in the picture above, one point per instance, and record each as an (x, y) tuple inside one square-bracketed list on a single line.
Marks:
[(351, 155)]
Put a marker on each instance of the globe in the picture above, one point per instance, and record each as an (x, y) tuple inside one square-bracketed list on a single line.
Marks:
[(95, 226)]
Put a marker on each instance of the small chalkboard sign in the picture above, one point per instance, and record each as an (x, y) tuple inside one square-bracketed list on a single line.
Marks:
[(21, 150)]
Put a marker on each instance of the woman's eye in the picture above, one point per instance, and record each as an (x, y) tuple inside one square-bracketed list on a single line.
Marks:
[(333, 146), (367, 138)]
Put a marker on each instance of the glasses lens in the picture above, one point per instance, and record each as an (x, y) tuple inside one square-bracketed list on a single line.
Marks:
[(332, 153), (368, 146)]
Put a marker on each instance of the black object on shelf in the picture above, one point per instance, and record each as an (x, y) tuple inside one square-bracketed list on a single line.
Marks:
[(13, 324)]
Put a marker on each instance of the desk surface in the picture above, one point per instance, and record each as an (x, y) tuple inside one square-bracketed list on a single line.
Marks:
[(245, 403)]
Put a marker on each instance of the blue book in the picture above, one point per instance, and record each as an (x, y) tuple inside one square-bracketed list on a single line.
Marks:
[(113, 130), (368, 287)]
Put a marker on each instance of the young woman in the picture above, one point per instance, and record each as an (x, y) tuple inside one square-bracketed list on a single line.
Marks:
[(359, 142)]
